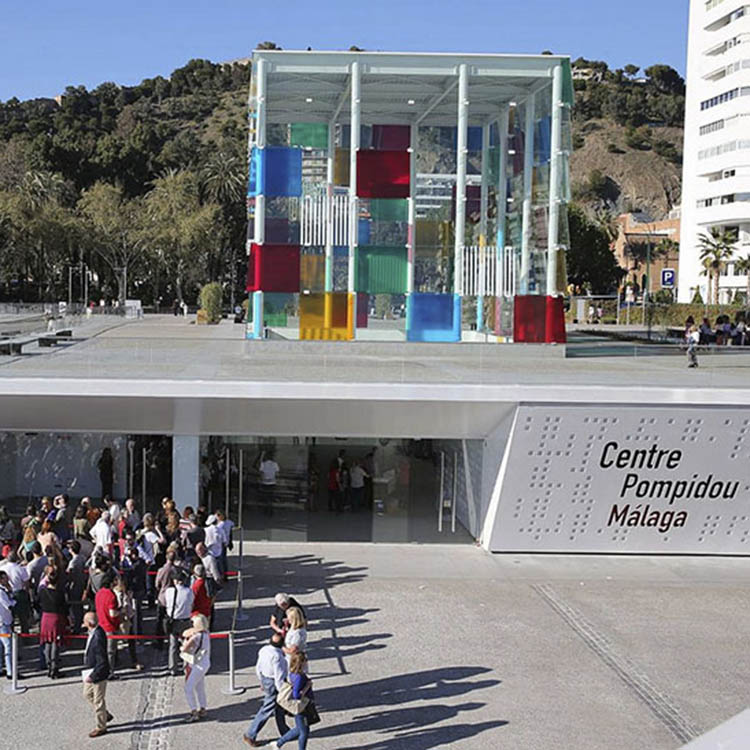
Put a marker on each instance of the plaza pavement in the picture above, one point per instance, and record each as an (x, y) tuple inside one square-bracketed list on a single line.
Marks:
[(420, 647)]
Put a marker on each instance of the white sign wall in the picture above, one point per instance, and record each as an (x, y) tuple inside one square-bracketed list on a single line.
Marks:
[(625, 479)]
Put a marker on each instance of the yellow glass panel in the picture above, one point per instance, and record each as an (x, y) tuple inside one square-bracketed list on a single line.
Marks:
[(325, 317), (312, 273), (341, 167)]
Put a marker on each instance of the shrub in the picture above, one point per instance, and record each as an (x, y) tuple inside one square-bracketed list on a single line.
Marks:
[(697, 298), (210, 301)]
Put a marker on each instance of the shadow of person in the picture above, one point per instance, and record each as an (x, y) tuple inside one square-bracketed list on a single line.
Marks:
[(428, 685), (424, 739)]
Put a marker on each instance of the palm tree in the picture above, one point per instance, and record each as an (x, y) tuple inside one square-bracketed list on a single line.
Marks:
[(742, 267), (717, 247)]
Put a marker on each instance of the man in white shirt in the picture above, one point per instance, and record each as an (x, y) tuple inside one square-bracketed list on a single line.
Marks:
[(268, 472), (210, 564), (271, 669), (18, 583), (179, 606), (225, 526), (6, 620), (357, 476), (214, 542), (101, 533)]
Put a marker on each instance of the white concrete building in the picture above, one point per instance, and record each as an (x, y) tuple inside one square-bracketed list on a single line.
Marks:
[(716, 173)]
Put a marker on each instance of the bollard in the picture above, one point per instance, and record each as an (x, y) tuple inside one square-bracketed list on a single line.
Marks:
[(240, 616), (232, 689), (13, 688)]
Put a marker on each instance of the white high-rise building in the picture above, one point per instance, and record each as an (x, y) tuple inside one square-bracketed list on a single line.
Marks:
[(716, 173)]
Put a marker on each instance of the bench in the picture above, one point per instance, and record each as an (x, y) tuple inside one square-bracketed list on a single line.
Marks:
[(15, 346)]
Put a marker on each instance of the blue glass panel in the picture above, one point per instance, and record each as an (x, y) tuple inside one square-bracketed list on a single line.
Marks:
[(433, 317), (363, 232), (275, 171)]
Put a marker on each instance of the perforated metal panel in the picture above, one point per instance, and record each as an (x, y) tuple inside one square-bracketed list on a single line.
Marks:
[(626, 479)]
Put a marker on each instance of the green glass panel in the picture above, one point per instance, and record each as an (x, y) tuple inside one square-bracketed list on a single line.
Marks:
[(309, 134), (389, 209), (380, 270), (275, 308)]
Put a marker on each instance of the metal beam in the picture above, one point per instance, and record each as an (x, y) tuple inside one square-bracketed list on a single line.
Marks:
[(435, 101)]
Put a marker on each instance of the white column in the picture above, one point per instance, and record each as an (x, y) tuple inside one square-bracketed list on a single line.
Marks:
[(260, 143), (356, 122), (502, 199), (186, 470), (461, 147), (412, 236), (555, 173), (485, 189), (528, 187), (329, 207)]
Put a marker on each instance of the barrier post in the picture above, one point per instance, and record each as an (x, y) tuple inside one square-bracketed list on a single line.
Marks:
[(239, 615), (232, 689), (13, 688)]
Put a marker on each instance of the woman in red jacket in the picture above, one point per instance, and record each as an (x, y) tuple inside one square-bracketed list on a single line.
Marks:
[(202, 602)]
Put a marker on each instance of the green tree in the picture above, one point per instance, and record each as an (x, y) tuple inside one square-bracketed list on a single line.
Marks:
[(716, 248), (590, 259), (181, 229), (224, 177), (742, 268), (666, 79), (114, 229), (631, 70)]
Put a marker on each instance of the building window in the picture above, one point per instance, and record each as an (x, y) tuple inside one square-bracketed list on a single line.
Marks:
[(714, 101), (712, 127)]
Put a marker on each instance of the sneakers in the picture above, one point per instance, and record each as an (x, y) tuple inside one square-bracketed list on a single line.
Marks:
[(97, 732), (202, 713), (194, 716), (250, 742)]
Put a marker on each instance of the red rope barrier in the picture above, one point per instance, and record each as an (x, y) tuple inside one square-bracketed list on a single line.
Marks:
[(117, 637)]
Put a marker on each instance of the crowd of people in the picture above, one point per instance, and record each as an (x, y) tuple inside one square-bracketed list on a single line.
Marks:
[(93, 569), (724, 333)]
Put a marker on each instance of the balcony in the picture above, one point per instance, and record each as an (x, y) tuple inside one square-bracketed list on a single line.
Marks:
[(729, 213)]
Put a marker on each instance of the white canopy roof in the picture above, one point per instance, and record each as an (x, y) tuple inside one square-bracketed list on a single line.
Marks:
[(397, 87)]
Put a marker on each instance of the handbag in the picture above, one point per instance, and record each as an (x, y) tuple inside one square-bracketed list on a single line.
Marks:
[(311, 714), (293, 706)]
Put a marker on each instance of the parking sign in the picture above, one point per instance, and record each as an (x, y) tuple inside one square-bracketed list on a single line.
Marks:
[(668, 278)]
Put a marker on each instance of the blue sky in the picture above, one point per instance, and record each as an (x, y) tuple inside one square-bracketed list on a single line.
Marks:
[(46, 45)]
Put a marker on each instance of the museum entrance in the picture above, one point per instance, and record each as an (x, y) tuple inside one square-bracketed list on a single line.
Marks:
[(334, 489)]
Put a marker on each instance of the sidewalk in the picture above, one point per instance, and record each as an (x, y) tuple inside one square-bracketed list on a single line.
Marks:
[(420, 647)]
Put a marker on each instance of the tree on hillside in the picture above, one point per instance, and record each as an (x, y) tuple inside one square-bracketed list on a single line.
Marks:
[(716, 248), (631, 70), (114, 230), (590, 259), (666, 79)]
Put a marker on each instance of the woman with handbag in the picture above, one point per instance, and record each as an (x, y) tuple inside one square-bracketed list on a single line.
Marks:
[(296, 637), (196, 653), (296, 698)]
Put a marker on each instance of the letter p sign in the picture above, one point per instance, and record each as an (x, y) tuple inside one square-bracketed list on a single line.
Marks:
[(668, 278)]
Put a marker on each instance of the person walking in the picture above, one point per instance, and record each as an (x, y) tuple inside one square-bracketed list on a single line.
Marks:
[(96, 673), (179, 605), (693, 339), (7, 602), (295, 639), (196, 653), (268, 469), (301, 689), (271, 670), (108, 617)]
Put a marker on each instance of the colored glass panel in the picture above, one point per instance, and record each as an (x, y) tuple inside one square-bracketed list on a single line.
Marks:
[(275, 308), (568, 92), (312, 272), (390, 137), (276, 268), (529, 318), (433, 317), (380, 270), (383, 174), (363, 309), (341, 167), (385, 209), (281, 231), (275, 171), (324, 316), (309, 134)]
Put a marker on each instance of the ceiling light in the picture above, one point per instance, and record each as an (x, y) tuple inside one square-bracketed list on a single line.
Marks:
[(308, 99), (411, 101)]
